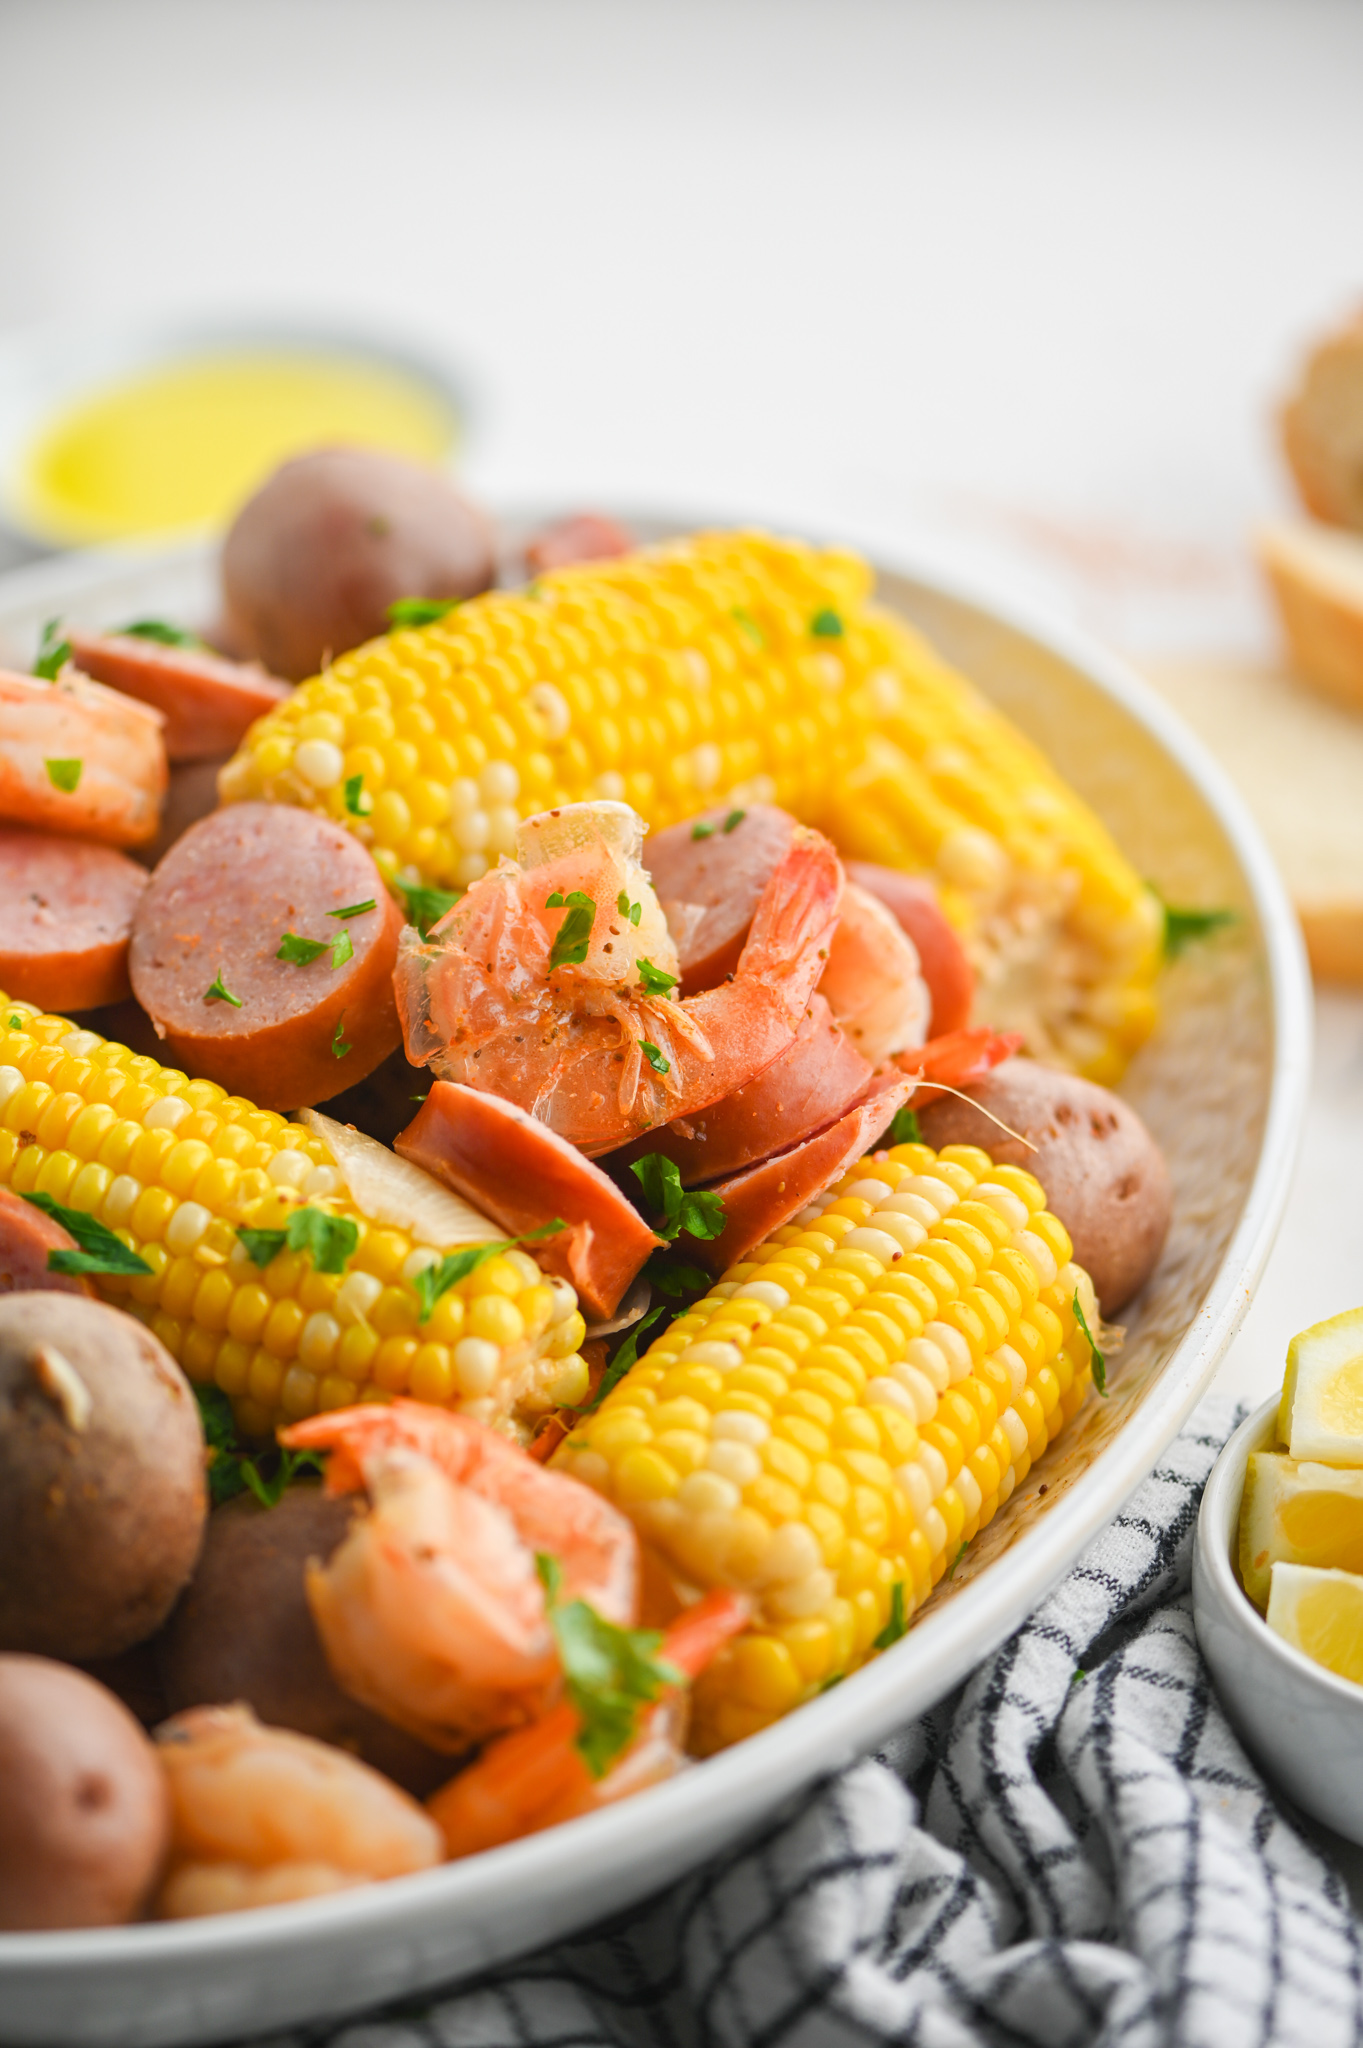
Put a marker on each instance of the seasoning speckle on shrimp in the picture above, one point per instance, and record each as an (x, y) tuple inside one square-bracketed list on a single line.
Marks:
[(524, 990)]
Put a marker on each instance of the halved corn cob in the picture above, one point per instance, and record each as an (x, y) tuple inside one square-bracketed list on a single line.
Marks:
[(174, 1166), (737, 668), (844, 1410)]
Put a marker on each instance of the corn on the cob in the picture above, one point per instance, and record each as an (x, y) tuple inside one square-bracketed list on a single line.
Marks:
[(174, 1166), (736, 668), (844, 1410)]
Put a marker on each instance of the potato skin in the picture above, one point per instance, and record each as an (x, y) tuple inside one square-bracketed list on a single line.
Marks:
[(1104, 1175), (84, 1806), (315, 558), (101, 1514), (243, 1631)]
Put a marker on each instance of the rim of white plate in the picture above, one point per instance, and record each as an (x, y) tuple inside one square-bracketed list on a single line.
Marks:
[(825, 1733)]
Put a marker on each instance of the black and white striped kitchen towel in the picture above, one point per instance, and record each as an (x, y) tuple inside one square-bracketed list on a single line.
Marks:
[(1071, 1850)]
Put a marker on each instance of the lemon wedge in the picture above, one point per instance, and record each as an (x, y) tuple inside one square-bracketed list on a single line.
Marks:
[(1321, 1415), (1297, 1512), (1320, 1612)]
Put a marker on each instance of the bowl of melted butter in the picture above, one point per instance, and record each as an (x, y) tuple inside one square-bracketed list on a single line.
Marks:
[(147, 436)]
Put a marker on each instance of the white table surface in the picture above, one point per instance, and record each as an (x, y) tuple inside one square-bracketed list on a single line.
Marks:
[(1018, 278)]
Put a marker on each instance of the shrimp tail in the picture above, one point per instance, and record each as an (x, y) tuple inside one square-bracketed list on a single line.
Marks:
[(792, 929), (956, 1060)]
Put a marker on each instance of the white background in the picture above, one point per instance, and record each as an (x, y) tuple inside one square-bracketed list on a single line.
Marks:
[(1021, 277)]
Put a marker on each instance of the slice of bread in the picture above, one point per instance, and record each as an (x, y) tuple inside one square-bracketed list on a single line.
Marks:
[(1298, 762), (1322, 428), (1316, 575)]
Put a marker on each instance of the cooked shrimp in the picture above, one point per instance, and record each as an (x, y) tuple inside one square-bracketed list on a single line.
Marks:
[(431, 1611), (955, 1060), (260, 1815), (75, 757), (537, 1777), (595, 1046), (873, 982)]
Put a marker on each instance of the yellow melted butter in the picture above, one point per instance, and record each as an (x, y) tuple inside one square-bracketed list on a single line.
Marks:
[(183, 446)]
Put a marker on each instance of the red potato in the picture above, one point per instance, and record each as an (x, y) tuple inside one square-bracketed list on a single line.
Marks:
[(809, 1087), (314, 560), (26, 1238), (214, 916), (66, 916), (581, 537), (207, 702), (77, 758), (523, 1175), (709, 886), (766, 1196), (84, 1805), (941, 955)]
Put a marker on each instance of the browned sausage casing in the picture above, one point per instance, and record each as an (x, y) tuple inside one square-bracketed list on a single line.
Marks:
[(66, 915), (207, 702), (215, 913), (497, 1156)]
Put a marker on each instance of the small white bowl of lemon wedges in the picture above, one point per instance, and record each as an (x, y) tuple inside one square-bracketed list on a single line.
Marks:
[(1278, 1577)]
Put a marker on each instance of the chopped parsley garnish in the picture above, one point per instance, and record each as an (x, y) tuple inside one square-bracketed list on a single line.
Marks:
[(896, 1626), (354, 909), (339, 1048), (734, 818), (655, 982), (330, 1239), (100, 1251), (438, 1278), (230, 1471), (957, 1559), (426, 906), (1078, 1675), (904, 1128), (16, 1023), (357, 801), (218, 992), (1182, 927), (609, 1673), (699, 1215), (575, 933), (826, 624), (632, 911), (418, 611), (158, 630), (626, 1355), (656, 1058), (53, 652), (64, 775), (701, 829), (1096, 1358), (300, 952), (749, 624)]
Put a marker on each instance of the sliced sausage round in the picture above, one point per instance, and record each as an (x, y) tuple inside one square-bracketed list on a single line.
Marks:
[(581, 537), (765, 1196), (523, 1175), (26, 1238), (709, 873), (941, 956), (208, 702), (240, 886), (66, 915), (812, 1084)]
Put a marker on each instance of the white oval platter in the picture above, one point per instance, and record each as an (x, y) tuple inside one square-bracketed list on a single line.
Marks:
[(1223, 1085)]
